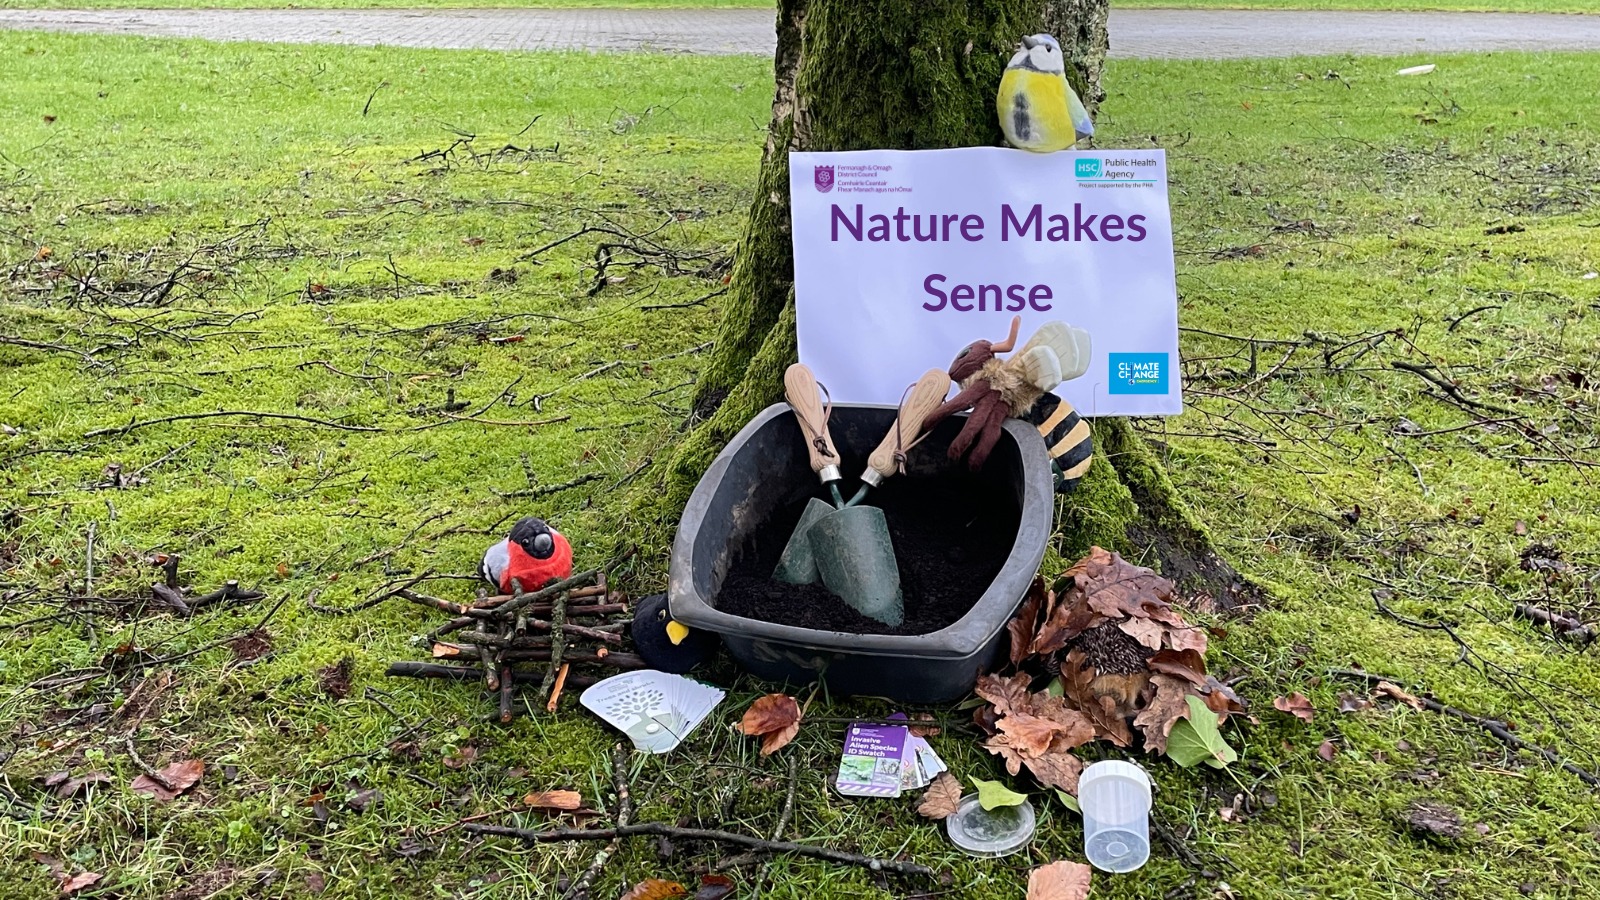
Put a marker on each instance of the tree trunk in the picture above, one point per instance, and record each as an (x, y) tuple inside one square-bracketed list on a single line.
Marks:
[(900, 74)]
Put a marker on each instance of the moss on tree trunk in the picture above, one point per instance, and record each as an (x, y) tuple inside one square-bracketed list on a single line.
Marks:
[(900, 74)]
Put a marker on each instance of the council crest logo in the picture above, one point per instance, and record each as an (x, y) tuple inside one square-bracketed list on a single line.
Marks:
[(823, 177)]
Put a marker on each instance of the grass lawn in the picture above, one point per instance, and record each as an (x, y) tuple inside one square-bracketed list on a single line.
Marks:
[(345, 252)]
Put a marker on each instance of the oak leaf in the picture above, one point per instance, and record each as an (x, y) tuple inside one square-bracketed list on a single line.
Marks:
[(655, 889), (179, 777), (1185, 664), (1146, 631), (1295, 705), (775, 718), (942, 798), (1116, 588), (1074, 729), (1029, 734), (1189, 638), (563, 800), (1000, 745), (1025, 624), (1057, 770), (1059, 881), (1164, 709), (1077, 680), (1005, 693)]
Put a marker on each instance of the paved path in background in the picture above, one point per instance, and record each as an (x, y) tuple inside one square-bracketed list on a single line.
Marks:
[(1150, 33)]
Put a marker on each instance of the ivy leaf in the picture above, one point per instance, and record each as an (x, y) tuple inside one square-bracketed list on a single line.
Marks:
[(993, 794), (1197, 739)]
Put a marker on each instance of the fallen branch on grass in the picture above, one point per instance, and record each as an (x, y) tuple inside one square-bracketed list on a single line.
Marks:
[(662, 829), (620, 757)]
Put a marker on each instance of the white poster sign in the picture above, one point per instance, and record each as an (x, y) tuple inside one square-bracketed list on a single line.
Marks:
[(904, 257)]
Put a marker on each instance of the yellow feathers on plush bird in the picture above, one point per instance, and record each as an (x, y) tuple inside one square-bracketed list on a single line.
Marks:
[(1039, 110)]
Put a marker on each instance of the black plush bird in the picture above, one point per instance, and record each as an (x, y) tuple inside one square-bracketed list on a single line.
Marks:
[(666, 643)]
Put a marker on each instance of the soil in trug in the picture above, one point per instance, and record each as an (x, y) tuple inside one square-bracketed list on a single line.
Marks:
[(951, 537)]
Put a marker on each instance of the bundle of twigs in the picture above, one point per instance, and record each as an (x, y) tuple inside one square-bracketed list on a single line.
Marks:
[(495, 639)]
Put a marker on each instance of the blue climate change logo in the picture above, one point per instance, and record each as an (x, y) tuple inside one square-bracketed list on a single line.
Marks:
[(1087, 168), (1138, 373)]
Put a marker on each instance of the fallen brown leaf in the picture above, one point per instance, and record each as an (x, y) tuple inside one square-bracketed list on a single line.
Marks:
[(1000, 746), (462, 759), (1186, 664), (1327, 751), (1074, 729), (1188, 639), (1005, 693), (714, 887), (1222, 700), (1295, 705), (1029, 734), (181, 776), (1059, 881), (553, 800), (80, 881), (1116, 588), (924, 730), (66, 788), (1398, 693), (1057, 770), (655, 889), (1077, 683), (1146, 631), (1349, 703), (1025, 624), (1166, 707), (775, 718), (942, 797), (1434, 820), (334, 679)]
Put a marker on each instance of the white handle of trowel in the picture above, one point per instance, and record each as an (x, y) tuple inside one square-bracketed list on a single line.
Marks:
[(805, 398)]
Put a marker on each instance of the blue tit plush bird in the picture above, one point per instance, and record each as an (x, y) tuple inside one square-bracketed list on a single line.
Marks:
[(1039, 110), (664, 642)]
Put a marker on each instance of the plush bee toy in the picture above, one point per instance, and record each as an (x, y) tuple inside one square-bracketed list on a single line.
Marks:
[(664, 642), (1066, 437), (1039, 110), (535, 554), (995, 388)]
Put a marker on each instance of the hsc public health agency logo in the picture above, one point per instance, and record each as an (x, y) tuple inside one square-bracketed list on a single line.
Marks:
[(1087, 168), (1138, 373), (822, 176)]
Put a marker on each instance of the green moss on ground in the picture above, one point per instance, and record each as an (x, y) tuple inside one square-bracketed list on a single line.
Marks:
[(1350, 205)]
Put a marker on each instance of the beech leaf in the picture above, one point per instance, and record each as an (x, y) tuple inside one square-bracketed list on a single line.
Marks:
[(993, 794), (1196, 739), (942, 798), (714, 887), (564, 800), (181, 776), (655, 889), (1063, 880), (775, 718), (80, 881), (1295, 705), (1187, 664)]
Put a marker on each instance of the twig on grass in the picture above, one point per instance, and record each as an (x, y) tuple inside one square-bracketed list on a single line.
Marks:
[(1494, 726), (662, 829), (1564, 626), (150, 771), (621, 757)]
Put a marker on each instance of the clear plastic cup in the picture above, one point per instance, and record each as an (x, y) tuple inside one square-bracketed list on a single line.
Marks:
[(1115, 797)]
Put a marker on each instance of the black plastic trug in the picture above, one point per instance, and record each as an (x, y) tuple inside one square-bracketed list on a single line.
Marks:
[(765, 468)]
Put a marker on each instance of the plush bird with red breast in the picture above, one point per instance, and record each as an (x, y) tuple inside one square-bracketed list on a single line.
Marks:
[(535, 554)]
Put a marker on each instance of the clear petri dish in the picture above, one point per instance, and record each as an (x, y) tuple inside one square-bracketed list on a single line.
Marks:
[(990, 833)]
